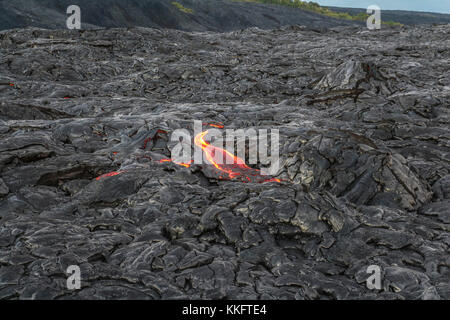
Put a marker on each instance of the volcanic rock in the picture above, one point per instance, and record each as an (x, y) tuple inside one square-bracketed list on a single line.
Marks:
[(194, 15), (86, 119)]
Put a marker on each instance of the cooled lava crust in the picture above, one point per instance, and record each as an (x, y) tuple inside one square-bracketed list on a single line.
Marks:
[(86, 177)]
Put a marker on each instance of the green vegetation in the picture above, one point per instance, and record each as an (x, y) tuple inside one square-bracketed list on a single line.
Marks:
[(181, 8), (315, 7), (392, 23)]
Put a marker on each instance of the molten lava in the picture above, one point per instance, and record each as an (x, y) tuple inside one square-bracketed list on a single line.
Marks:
[(109, 174), (213, 154), (215, 125), (187, 165), (225, 164), (232, 166)]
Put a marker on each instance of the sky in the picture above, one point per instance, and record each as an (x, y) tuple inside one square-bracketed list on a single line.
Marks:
[(441, 6)]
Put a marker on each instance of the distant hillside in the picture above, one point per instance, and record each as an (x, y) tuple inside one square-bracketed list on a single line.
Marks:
[(189, 15), (403, 17)]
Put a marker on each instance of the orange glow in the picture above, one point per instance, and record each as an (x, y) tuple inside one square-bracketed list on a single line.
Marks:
[(220, 126), (187, 165), (230, 166), (110, 174), (273, 180), (234, 166), (211, 152)]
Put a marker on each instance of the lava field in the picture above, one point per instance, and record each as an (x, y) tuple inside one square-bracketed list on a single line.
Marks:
[(86, 176)]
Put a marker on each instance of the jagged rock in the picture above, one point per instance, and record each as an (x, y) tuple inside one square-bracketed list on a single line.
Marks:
[(346, 76), (441, 188), (86, 177)]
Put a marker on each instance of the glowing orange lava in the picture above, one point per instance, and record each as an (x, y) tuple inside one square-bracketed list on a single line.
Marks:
[(110, 174), (219, 125), (229, 164), (187, 165), (213, 153)]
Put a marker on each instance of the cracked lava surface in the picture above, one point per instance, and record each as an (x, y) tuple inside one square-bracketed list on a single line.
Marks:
[(86, 177)]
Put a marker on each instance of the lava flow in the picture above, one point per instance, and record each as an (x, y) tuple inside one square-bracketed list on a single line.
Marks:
[(109, 174), (187, 165), (212, 152), (227, 165), (231, 166)]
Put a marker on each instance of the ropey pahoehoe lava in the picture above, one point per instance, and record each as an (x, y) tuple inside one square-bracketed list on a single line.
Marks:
[(363, 124), (227, 165)]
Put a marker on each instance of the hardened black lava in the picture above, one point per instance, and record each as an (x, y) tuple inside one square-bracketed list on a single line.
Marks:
[(86, 119)]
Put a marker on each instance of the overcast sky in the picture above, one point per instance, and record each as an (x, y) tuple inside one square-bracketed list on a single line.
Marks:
[(442, 6)]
